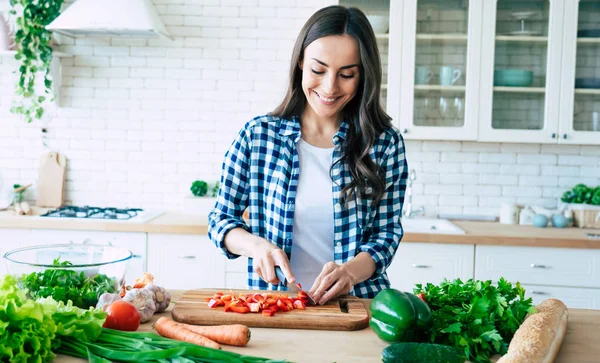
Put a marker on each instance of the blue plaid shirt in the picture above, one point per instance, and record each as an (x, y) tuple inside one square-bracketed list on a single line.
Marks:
[(260, 172)]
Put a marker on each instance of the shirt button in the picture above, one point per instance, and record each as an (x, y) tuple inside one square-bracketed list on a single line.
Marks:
[(339, 244)]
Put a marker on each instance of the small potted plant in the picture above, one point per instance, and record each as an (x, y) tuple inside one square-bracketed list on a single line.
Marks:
[(584, 202)]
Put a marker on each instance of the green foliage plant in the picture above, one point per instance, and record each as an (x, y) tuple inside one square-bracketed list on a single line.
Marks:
[(34, 54)]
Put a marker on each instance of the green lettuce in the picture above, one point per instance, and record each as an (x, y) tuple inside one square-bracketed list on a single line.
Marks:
[(31, 330), (26, 332)]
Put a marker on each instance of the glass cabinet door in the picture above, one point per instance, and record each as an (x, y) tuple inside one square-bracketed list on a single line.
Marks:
[(580, 115), (520, 63), (437, 63)]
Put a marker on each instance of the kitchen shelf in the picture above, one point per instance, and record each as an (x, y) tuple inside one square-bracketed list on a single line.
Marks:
[(587, 91), (520, 89), (524, 39), (435, 87), (442, 38)]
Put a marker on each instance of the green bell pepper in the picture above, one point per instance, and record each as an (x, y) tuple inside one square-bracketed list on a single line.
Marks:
[(398, 316)]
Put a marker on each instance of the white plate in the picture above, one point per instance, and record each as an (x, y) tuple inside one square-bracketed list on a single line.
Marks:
[(523, 33)]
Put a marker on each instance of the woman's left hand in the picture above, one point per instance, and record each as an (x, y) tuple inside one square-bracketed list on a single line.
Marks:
[(334, 280)]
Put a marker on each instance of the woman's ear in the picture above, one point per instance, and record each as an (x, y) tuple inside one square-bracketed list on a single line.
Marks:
[(301, 64)]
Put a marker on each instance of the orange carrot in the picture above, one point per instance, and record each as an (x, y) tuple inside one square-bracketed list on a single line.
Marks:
[(233, 334), (173, 330)]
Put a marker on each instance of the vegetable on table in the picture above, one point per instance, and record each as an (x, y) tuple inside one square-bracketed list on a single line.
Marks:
[(171, 329), (143, 300), (398, 316), (230, 334), (265, 303), (122, 315), (421, 352), (476, 316)]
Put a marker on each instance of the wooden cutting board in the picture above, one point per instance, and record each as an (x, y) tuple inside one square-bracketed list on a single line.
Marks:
[(344, 313), (51, 180)]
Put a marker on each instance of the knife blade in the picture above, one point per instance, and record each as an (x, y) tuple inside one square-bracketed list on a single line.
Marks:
[(291, 287)]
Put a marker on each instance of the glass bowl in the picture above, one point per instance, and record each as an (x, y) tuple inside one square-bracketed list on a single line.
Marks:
[(76, 272)]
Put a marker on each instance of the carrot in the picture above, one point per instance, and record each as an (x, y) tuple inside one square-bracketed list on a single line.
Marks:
[(171, 329), (233, 334)]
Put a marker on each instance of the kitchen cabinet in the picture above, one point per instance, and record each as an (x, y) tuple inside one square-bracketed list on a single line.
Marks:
[(185, 261), (568, 274), (418, 263), (495, 71), (236, 275), (11, 239), (133, 241)]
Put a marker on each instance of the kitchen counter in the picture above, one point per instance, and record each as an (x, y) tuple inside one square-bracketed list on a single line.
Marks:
[(480, 233), (579, 346)]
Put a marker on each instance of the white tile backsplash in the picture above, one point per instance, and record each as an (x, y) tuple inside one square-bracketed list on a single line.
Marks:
[(140, 119)]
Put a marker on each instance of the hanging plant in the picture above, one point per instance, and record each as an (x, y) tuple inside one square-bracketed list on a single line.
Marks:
[(34, 54)]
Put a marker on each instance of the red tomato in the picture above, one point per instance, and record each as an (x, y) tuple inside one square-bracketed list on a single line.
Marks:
[(122, 315)]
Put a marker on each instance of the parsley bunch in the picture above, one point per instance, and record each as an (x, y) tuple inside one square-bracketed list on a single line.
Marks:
[(64, 284), (476, 316)]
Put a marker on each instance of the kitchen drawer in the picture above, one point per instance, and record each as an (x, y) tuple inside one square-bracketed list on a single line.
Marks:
[(573, 297), (133, 241), (239, 264), (419, 263), (185, 261), (11, 239), (236, 280), (569, 267)]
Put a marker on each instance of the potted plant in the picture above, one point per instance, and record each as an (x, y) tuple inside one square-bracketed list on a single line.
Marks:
[(584, 201), (34, 54)]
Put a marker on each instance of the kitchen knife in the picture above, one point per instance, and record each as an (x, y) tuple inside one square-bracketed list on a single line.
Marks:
[(291, 287)]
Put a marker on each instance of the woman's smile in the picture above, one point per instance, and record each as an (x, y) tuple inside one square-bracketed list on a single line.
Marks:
[(328, 101)]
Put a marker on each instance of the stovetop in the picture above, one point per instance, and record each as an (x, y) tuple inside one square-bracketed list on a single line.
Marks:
[(101, 213)]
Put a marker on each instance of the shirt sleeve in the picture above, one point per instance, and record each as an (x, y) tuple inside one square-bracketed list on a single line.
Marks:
[(387, 230), (232, 199)]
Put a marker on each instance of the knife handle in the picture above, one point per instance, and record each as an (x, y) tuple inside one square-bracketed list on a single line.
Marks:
[(280, 276)]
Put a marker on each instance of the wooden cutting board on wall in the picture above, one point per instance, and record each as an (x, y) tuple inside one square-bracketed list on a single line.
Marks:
[(344, 313), (51, 180)]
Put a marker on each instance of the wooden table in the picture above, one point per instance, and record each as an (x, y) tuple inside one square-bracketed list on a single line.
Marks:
[(581, 343)]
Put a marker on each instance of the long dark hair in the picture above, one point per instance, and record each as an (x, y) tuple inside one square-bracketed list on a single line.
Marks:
[(366, 118)]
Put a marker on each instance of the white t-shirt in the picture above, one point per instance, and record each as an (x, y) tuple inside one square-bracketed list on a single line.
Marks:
[(312, 244)]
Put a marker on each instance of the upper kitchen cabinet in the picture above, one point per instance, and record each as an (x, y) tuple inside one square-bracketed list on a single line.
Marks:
[(378, 13), (520, 71), (579, 121), (434, 67)]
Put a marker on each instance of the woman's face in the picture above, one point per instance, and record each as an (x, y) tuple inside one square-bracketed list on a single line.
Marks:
[(330, 73)]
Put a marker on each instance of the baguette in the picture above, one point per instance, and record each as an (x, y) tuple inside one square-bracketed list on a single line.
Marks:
[(539, 337)]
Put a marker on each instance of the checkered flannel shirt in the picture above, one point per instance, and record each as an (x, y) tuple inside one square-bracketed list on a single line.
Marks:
[(260, 172)]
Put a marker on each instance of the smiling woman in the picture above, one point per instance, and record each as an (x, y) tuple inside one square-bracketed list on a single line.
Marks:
[(323, 176)]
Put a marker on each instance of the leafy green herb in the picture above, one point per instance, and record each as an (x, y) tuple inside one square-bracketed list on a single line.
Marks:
[(582, 194), (476, 316), (63, 284), (200, 188)]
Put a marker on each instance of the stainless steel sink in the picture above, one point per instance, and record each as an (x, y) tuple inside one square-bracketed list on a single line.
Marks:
[(430, 225)]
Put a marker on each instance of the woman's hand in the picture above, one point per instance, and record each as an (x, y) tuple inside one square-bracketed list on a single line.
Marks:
[(334, 280), (265, 257)]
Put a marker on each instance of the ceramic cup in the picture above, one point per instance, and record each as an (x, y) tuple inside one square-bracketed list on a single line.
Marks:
[(423, 75), (449, 75)]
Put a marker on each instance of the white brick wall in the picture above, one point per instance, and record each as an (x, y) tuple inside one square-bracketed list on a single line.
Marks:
[(139, 120)]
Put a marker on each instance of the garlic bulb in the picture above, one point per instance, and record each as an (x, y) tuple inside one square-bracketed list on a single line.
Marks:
[(162, 297), (143, 300), (106, 299)]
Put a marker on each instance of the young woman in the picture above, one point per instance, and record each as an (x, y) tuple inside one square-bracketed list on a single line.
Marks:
[(323, 175)]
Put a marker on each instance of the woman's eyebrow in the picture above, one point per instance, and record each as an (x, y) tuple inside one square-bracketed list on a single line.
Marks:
[(343, 67)]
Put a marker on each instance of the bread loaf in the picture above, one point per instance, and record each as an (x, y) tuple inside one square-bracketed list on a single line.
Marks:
[(539, 337)]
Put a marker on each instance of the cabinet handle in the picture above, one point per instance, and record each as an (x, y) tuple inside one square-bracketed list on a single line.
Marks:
[(554, 135), (420, 266), (539, 293), (405, 131), (535, 265), (187, 257), (564, 136)]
